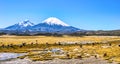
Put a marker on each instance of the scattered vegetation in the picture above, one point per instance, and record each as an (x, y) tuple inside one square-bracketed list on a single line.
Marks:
[(41, 48)]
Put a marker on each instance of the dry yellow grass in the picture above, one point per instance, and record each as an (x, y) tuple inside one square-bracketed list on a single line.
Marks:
[(44, 39)]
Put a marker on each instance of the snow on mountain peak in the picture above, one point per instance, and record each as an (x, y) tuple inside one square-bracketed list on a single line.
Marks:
[(26, 23), (53, 20)]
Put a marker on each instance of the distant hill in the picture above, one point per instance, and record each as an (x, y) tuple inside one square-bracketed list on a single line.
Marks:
[(98, 33)]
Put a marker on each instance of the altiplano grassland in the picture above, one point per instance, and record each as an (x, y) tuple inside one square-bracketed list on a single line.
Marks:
[(51, 40), (41, 48)]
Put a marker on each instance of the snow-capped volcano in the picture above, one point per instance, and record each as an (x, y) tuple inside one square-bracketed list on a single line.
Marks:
[(21, 25), (25, 23), (54, 21), (54, 25)]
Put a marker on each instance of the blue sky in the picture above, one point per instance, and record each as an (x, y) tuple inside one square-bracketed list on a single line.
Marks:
[(84, 14)]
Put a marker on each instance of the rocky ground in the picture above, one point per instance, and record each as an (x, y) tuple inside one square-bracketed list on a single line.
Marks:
[(91, 60)]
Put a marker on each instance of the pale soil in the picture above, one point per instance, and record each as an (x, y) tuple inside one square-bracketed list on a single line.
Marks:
[(91, 60)]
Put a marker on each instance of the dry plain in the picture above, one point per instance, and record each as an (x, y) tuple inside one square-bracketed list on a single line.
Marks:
[(46, 48)]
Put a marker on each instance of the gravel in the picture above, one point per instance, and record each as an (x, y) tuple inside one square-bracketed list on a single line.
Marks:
[(91, 60)]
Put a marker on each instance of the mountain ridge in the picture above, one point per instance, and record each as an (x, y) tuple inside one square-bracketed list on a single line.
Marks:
[(49, 25)]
